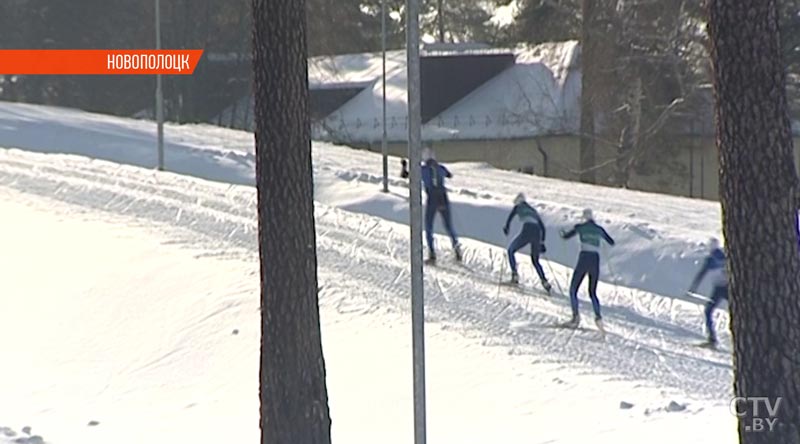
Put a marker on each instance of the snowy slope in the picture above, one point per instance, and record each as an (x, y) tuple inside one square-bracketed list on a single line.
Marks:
[(131, 300), (661, 237), (137, 292), (61, 130)]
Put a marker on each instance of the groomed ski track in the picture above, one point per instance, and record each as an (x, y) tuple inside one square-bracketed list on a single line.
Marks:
[(649, 337)]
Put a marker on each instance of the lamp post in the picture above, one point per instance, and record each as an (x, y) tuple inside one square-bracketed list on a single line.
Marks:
[(159, 95), (383, 88), (415, 201)]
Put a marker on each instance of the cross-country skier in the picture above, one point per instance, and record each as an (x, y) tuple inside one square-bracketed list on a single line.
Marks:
[(433, 177), (532, 233), (714, 267), (591, 235)]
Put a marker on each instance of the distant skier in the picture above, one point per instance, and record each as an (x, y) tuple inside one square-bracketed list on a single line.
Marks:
[(714, 267), (532, 233), (433, 178), (590, 235)]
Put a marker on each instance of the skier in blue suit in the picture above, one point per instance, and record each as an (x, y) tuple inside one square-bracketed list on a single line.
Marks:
[(590, 235), (433, 180), (714, 268), (532, 233)]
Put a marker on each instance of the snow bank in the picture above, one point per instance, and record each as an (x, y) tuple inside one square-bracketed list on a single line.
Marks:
[(133, 142), (647, 256)]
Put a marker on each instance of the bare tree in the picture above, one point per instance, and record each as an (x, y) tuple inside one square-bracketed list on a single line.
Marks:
[(759, 188), (293, 393), (591, 57), (640, 67)]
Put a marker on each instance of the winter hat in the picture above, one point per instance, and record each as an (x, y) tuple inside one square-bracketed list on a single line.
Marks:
[(587, 214), (428, 154), (519, 199), (713, 243)]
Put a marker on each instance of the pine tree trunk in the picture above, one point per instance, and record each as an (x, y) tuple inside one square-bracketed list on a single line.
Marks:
[(440, 20), (587, 124), (599, 85), (758, 185), (293, 393), (626, 85), (630, 117)]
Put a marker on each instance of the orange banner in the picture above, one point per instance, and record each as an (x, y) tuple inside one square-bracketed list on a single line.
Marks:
[(99, 61)]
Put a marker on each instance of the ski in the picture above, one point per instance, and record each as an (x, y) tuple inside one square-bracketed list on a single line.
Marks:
[(451, 263), (707, 345), (436, 263), (563, 326), (570, 326), (525, 289), (566, 326), (461, 264), (601, 328), (555, 325)]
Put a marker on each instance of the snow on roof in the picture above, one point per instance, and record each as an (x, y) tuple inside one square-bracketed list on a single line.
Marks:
[(358, 120), (324, 72), (455, 47), (539, 95), (559, 57), (351, 68), (536, 96)]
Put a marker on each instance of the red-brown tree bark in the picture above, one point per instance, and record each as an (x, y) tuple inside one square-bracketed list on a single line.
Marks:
[(758, 186), (293, 392)]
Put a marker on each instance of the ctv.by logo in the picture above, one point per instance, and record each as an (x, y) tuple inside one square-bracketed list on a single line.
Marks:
[(756, 407)]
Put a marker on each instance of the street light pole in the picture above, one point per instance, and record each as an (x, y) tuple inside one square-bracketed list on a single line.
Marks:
[(415, 201), (383, 88), (159, 95)]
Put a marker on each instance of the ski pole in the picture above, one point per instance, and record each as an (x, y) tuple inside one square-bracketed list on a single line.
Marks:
[(500, 281), (502, 269), (555, 279), (614, 275)]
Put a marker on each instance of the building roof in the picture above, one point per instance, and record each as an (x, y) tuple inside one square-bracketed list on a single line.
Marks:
[(537, 95), (346, 69)]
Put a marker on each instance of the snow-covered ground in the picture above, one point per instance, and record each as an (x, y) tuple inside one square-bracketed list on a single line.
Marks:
[(661, 238), (130, 300)]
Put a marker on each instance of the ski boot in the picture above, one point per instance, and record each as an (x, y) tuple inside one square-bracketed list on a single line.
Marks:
[(709, 344), (572, 323), (547, 287), (457, 250), (431, 260), (514, 278), (600, 326)]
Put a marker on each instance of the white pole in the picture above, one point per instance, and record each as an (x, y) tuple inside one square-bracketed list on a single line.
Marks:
[(415, 200), (159, 95), (383, 139)]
